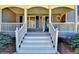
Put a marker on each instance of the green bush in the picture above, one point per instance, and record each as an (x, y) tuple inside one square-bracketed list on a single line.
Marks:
[(4, 39), (74, 41)]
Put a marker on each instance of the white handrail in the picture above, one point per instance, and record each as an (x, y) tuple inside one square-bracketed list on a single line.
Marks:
[(19, 36), (54, 35)]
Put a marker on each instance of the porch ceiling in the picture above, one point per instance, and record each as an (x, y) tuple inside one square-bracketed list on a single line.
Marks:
[(17, 10), (61, 10), (38, 10)]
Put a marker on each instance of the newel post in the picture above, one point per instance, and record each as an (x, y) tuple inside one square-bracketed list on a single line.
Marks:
[(56, 41), (16, 35)]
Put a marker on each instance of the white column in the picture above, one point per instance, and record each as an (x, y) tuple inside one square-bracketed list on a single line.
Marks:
[(76, 18), (25, 19), (50, 15), (0, 18), (43, 20), (49, 18)]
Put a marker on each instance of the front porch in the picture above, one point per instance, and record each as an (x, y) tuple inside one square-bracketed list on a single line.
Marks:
[(18, 22)]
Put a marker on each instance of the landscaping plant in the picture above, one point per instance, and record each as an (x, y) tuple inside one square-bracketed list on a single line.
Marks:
[(4, 39), (74, 42)]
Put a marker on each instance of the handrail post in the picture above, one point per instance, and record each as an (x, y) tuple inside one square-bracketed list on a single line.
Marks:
[(16, 33), (56, 42)]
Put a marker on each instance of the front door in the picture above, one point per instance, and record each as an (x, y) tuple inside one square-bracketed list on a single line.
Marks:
[(46, 24), (37, 22)]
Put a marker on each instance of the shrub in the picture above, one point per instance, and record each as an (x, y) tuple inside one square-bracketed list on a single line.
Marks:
[(74, 41), (4, 39)]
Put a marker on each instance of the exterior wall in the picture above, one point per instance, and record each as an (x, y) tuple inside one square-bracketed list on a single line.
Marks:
[(18, 19), (8, 16)]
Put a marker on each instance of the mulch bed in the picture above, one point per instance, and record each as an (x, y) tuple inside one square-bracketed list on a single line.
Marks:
[(64, 48), (8, 48)]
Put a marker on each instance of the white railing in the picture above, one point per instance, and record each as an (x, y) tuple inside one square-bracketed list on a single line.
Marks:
[(54, 35), (65, 27), (20, 35), (10, 26)]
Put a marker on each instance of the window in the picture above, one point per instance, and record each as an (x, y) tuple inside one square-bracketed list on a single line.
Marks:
[(21, 19)]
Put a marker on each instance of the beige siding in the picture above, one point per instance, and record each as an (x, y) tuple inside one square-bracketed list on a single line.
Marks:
[(8, 16)]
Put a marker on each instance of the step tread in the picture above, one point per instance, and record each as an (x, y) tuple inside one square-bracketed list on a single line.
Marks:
[(32, 43), (37, 32), (36, 45), (37, 37), (37, 50), (36, 41)]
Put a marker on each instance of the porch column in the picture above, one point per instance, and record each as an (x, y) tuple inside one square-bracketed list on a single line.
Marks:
[(0, 18), (76, 18), (43, 20), (50, 15), (49, 18), (25, 19)]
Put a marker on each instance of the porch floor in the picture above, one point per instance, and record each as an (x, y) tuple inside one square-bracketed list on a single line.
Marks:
[(34, 30)]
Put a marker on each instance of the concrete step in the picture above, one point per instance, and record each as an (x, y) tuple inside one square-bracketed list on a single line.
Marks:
[(43, 33), (37, 50), (36, 41), (36, 45), (37, 37), (37, 34)]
